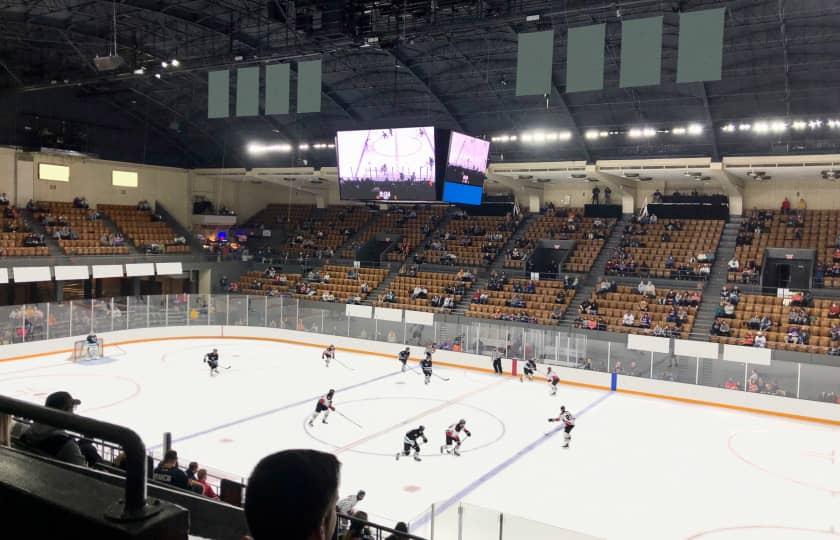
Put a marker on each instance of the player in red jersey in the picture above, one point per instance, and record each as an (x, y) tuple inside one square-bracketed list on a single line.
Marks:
[(453, 436), (325, 405)]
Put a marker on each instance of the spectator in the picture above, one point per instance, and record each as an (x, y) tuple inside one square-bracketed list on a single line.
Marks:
[(347, 505), (207, 489), (400, 527), (4, 200), (168, 472), (358, 530), (786, 206), (607, 195), (733, 264), (760, 341), (292, 495), (834, 311), (596, 195), (628, 319), (55, 442), (801, 206)]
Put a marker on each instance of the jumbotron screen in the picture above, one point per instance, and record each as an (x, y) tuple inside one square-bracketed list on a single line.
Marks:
[(466, 169), (387, 164)]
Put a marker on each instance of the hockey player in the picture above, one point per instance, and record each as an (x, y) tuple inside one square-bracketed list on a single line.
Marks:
[(426, 365), (324, 405), (553, 379), (212, 360), (453, 435), (410, 442), (568, 420), (92, 344), (328, 354), (403, 357), (530, 369)]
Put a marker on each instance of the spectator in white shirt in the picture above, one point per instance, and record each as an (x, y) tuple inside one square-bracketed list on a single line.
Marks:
[(628, 319), (760, 341), (347, 505), (733, 264), (650, 289)]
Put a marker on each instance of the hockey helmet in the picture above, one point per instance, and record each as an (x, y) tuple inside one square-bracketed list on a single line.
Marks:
[(422, 428), (331, 392), (462, 421), (562, 408)]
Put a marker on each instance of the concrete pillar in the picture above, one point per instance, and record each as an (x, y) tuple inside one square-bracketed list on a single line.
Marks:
[(59, 291), (135, 286), (627, 203), (205, 281)]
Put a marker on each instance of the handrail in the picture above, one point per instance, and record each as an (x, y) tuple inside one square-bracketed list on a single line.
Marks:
[(379, 528), (134, 506)]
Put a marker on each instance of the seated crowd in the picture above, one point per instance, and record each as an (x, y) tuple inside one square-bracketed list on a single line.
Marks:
[(468, 240), (426, 291), (332, 283), (522, 300)]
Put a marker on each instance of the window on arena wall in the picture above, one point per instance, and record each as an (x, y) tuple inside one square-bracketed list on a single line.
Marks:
[(53, 173), (124, 179)]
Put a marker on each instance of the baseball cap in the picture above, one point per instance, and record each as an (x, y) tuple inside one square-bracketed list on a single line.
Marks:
[(61, 400)]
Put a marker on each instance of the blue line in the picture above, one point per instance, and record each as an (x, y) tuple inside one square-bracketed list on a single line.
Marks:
[(271, 411), (489, 475)]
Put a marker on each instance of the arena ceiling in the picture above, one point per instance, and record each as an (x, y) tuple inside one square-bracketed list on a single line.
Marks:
[(400, 63)]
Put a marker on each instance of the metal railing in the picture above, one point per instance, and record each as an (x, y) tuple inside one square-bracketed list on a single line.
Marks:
[(134, 506)]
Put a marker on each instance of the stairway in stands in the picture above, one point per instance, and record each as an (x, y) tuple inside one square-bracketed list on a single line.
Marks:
[(499, 263), (38, 228), (717, 279), (587, 283)]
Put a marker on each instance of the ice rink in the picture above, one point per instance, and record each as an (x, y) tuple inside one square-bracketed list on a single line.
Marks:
[(637, 467)]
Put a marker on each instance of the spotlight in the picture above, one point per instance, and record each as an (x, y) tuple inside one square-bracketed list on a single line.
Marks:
[(778, 127), (164, 64), (815, 124), (799, 125), (761, 128), (603, 134), (175, 62), (678, 131), (303, 146), (157, 75), (564, 136), (591, 135), (695, 129), (140, 71), (744, 127), (728, 128)]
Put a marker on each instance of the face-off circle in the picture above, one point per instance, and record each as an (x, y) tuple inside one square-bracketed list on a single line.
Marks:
[(765, 532), (807, 458), (94, 390), (386, 440)]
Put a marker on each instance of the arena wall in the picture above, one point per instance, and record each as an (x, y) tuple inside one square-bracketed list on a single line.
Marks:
[(811, 411)]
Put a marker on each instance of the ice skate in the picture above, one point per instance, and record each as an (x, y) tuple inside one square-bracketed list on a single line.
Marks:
[(456, 452), (417, 458)]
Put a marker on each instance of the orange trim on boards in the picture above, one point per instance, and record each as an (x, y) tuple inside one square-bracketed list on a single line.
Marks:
[(457, 366)]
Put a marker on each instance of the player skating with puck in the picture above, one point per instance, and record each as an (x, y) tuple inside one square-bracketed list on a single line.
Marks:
[(403, 357), (453, 436), (530, 369), (328, 354), (325, 405), (553, 380), (568, 420), (212, 360), (410, 442)]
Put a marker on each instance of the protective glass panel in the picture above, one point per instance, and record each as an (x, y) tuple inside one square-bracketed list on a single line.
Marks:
[(218, 309), (450, 336), (335, 323), (177, 309), (102, 316), (256, 310), (34, 324), (478, 523), (628, 361), (675, 368), (81, 322), (157, 311), (197, 309), (390, 331), (137, 311), (278, 316), (722, 374), (819, 383), (419, 334), (312, 320), (237, 310), (597, 353), (777, 379), (361, 328), (58, 320)]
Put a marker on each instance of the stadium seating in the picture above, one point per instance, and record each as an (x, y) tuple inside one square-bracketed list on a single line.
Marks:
[(673, 248), (442, 285), (324, 235), (87, 236), (612, 306), (339, 285), (539, 307), (566, 224), (778, 310), (413, 224), (817, 229), (469, 241), (290, 216), (139, 227)]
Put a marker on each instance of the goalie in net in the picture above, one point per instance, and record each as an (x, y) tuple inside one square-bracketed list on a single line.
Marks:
[(90, 347)]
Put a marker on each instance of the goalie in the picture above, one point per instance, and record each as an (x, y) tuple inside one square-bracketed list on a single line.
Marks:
[(92, 345)]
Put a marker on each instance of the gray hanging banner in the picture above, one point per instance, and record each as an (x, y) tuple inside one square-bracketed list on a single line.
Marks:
[(277, 89), (309, 87), (218, 94), (248, 91), (700, 56), (585, 58), (641, 52), (534, 58)]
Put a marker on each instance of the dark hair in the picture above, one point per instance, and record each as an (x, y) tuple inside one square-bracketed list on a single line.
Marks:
[(170, 455), (289, 493), (401, 526)]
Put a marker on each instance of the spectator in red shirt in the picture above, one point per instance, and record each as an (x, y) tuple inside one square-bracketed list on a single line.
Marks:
[(834, 311), (786, 206), (730, 384), (201, 478)]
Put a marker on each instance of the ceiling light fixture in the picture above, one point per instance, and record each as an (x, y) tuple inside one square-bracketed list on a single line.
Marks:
[(728, 128), (164, 64), (175, 62), (695, 129)]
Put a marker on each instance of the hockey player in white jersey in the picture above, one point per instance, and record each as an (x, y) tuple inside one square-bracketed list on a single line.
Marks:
[(325, 405), (328, 354), (553, 380), (568, 420), (453, 437)]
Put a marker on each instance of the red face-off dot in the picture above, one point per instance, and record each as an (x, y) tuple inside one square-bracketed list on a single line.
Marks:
[(411, 489)]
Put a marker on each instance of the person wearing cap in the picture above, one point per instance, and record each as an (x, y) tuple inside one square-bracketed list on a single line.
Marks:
[(52, 441), (168, 472), (347, 505)]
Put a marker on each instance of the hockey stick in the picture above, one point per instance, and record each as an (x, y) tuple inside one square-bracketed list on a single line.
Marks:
[(342, 364), (440, 377), (348, 419)]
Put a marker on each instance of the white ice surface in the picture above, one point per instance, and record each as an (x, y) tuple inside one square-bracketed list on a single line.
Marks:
[(638, 467)]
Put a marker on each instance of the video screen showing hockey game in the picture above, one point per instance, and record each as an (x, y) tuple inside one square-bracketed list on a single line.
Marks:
[(387, 164), (467, 160)]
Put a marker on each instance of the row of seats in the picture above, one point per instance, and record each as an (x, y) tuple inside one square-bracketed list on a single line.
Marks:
[(589, 234), (541, 305), (139, 227), (435, 283), (89, 233), (469, 240), (326, 230), (289, 216), (413, 225)]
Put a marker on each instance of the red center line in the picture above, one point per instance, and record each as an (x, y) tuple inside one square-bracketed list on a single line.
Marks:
[(416, 417)]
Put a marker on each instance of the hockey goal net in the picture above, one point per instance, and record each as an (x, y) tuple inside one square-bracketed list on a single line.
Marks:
[(83, 350)]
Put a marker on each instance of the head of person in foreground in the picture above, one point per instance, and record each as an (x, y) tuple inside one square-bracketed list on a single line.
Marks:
[(292, 495)]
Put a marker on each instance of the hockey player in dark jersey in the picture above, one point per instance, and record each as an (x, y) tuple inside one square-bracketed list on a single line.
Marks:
[(328, 354), (568, 420), (453, 436), (212, 360), (426, 365), (325, 405), (530, 369), (410, 442), (403, 357)]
